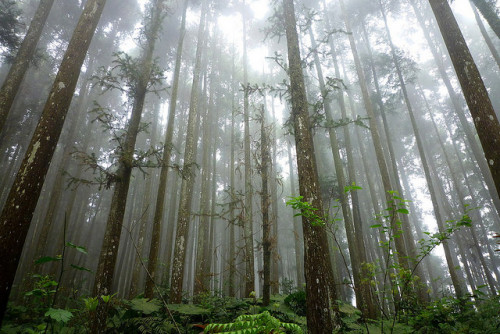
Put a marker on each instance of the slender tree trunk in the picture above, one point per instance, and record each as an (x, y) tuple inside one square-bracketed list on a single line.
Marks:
[(167, 152), (322, 311), (457, 105), (109, 251), (18, 210), (188, 176), (475, 92), (248, 223), (232, 185), (297, 228), (489, 13), (266, 226), (24, 56), (356, 244), (486, 37)]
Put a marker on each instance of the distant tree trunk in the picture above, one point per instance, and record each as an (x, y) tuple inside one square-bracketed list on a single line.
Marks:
[(167, 152), (23, 59), (476, 95), (297, 228), (144, 215), (488, 11), (188, 176), (18, 210), (322, 310), (356, 244), (382, 164), (486, 37), (248, 223), (266, 226), (202, 263), (275, 267), (109, 251), (232, 185), (457, 105)]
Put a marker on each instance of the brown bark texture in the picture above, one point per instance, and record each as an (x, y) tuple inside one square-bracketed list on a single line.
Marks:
[(322, 311), (21, 202), (475, 93), (22, 61)]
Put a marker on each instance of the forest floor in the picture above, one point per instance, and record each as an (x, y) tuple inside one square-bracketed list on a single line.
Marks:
[(214, 314)]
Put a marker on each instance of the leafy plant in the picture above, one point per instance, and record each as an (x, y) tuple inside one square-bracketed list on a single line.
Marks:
[(307, 210), (297, 302), (254, 323)]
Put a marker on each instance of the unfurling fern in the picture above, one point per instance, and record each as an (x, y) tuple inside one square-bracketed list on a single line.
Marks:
[(262, 323)]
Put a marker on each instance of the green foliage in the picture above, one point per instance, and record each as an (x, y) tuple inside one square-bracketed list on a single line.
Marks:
[(254, 323), (306, 210), (59, 315), (297, 302), (145, 306), (447, 315)]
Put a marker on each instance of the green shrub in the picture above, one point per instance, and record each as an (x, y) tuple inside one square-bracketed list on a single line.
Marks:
[(297, 302)]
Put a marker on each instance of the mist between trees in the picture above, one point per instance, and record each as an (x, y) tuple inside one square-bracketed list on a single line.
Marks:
[(342, 153)]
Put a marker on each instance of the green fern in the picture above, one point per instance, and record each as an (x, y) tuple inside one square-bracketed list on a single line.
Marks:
[(262, 323)]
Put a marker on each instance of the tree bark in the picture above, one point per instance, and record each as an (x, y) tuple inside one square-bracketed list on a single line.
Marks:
[(109, 251), (167, 153), (322, 311), (18, 210), (188, 176), (476, 95), (489, 13), (24, 56)]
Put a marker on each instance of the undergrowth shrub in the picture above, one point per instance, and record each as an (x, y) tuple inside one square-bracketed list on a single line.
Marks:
[(262, 323), (297, 302)]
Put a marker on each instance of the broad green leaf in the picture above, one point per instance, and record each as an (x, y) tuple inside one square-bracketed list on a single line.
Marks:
[(58, 314), (145, 305), (45, 259), (80, 268), (81, 249), (403, 210), (376, 225)]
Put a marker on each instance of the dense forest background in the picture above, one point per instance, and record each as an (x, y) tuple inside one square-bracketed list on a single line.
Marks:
[(274, 166)]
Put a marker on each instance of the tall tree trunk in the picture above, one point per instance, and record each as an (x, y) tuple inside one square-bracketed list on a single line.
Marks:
[(457, 105), (488, 11), (109, 251), (232, 185), (266, 226), (188, 176), (23, 59), (486, 37), (382, 164), (356, 244), (167, 153), (297, 228), (248, 223), (18, 210), (322, 311), (476, 95)]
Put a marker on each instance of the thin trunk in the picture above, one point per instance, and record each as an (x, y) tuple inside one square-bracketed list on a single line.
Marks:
[(167, 152), (490, 14), (356, 244), (322, 310), (24, 56), (188, 177), (476, 95), (486, 37), (266, 227), (18, 210), (109, 251), (248, 223)]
